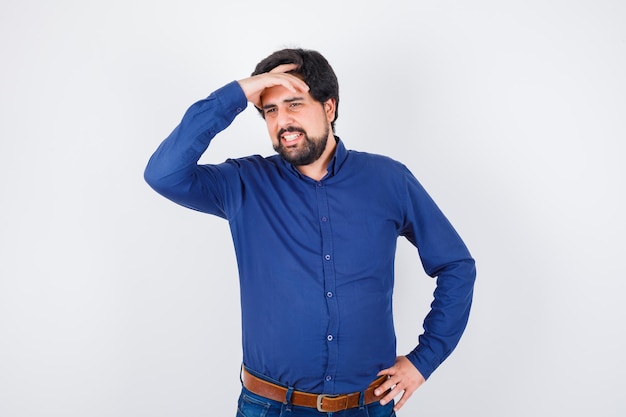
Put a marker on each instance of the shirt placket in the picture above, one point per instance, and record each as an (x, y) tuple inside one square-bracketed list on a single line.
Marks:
[(329, 286)]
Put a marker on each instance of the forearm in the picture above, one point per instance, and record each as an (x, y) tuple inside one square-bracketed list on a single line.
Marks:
[(445, 257), (447, 319), (173, 169)]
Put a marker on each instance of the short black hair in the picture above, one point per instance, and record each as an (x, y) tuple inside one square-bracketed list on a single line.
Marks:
[(314, 70)]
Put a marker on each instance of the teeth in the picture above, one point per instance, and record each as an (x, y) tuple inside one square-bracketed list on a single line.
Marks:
[(291, 137)]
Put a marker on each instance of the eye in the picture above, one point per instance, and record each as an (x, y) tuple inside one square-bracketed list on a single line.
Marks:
[(295, 105), (269, 111)]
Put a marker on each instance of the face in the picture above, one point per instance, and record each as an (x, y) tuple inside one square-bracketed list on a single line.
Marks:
[(298, 125)]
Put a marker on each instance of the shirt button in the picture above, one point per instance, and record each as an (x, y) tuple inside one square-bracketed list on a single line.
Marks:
[(327, 257), (329, 337), (329, 294), (319, 184), (324, 219), (328, 377)]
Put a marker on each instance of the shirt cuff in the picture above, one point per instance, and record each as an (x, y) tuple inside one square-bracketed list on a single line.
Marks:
[(232, 97), (425, 363)]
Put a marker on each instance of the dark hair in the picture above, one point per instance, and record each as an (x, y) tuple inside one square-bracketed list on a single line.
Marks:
[(314, 70)]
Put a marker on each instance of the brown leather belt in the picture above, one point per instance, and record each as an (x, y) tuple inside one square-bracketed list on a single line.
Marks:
[(322, 402)]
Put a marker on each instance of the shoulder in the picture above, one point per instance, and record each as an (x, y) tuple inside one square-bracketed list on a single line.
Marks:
[(253, 165), (252, 161), (383, 163)]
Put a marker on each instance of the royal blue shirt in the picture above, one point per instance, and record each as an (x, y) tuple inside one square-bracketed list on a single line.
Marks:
[(316, 258)]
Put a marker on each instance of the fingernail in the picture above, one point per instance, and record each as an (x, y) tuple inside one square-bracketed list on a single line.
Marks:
[(377, 392)]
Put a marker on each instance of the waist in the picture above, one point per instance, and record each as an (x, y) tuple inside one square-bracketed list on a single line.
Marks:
[(322, 402)]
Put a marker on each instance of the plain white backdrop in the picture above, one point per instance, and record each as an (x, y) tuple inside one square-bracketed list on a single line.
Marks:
[(116, 302)]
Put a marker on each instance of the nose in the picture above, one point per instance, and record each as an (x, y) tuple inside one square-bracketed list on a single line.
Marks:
[(284, 118)]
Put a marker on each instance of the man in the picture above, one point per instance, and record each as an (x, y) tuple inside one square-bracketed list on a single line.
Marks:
[(315, 230)]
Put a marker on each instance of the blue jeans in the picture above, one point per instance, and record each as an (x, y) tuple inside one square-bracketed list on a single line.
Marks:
[(252, 405)]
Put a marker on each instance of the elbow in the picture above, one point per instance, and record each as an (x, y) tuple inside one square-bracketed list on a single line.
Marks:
[(151, 176), (155, 178)]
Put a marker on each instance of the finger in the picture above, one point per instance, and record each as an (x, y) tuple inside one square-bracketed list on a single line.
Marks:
[(388, 384), (402, 400), (393, 393), (389, 371), (284, 68), (384, 387), (290, 81), (295, 84)]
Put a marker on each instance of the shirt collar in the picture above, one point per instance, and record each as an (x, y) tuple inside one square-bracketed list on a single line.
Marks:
[(337, 160)]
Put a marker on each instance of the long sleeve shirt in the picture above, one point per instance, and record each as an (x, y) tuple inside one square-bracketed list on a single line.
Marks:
[(316, 258)]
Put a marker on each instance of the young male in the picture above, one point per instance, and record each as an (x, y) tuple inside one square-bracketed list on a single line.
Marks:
[(315, 230)]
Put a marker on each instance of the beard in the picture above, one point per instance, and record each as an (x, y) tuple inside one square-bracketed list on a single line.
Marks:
[(305, 152)]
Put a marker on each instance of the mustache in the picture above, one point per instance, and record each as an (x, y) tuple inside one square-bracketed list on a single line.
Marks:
[(290, 129)]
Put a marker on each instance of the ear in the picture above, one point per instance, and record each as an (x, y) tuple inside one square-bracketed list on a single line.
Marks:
[(329, 109)]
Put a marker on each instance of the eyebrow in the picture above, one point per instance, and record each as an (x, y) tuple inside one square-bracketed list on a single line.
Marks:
[(287, 100)]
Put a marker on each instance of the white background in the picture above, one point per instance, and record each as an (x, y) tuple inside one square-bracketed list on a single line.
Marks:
[(116, 302)]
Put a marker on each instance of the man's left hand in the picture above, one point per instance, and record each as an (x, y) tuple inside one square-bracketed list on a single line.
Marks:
[(404, 379)]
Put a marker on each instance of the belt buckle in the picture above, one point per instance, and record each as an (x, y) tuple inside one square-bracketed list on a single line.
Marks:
[(320, 398)]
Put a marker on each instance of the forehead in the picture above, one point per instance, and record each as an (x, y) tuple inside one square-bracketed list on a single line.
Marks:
[(279, 94)]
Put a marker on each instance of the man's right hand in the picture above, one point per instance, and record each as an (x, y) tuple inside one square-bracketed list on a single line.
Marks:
[(253, 87)]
